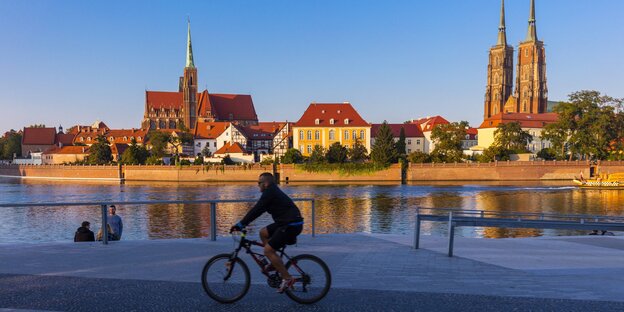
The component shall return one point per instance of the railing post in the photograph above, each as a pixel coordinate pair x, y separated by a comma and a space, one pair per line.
104, 225
417, 230
451, 234
313, 219
213, 221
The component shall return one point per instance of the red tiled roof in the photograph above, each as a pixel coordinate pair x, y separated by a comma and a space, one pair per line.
411, 130
228, 148
325, 112
85, 134
210, 130
65, 138
428, 123
239, 106
472, 133
119, 135
68, 150
525, 120
39, 136
118, 148
262, 131
164, 99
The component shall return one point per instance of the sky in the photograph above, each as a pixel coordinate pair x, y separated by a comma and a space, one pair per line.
74, 62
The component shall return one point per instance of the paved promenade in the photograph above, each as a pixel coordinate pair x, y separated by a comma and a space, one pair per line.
370, 273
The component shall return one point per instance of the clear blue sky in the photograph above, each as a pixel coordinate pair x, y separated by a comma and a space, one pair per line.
68, 62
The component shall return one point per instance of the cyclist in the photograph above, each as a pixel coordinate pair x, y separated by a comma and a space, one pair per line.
288, 223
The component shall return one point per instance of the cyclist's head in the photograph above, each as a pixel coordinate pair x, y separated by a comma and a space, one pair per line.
265, 180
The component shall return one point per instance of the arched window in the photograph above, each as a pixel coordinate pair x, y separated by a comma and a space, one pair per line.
161, 124
317, 121
152, 125
331, 121
354, 134
332, 135
301, 135
309, 134
317, 135
361, 134
346, 134
346, 121
172, 124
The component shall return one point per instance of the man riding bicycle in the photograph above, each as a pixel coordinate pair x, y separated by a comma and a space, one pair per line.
288, 223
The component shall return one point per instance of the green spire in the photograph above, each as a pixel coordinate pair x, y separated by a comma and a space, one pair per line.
532, 32
189, 48
502, 33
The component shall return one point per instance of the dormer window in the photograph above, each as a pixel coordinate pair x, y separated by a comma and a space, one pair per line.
331, 121
323, 111
317, 121
111, 139
346, 121
139, 138
338, 111
88, 138
125, 139
81, 139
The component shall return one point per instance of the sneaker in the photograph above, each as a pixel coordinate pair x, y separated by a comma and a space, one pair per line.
289, 283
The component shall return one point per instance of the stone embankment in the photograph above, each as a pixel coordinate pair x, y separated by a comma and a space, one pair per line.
496, 171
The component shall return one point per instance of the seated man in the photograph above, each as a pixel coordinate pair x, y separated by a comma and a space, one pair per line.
84, 234
288, 223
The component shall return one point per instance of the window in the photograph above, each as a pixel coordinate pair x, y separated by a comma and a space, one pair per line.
111, 139
309, 149
346, 121
331, 121
332, 134
317, 135
361, 134
125, 139
409, 142
81, 139
301, 148
139, 138
346, 134
317, 121
300, 134
526, 52
354, 134
417, 142
215, 144
409, 150
88, 139
309, 134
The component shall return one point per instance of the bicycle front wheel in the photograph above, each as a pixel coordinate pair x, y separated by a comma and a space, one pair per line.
225, 280
313, 279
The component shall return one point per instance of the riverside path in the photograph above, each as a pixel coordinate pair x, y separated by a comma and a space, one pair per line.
370, 273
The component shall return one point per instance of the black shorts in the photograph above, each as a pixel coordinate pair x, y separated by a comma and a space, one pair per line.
281, 235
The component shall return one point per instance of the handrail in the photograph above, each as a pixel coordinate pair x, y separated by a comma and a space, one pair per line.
213, 209
483, 213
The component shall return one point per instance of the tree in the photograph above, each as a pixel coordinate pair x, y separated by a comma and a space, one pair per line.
227, 160
547, 154
199, 160
400, 144
510, 136
11, 145
100, 152
206, 151
135, 154
180, 138
159, 141
447, 139
318, 155
418, 157
292, 156
336, 153
358, 152
384, 150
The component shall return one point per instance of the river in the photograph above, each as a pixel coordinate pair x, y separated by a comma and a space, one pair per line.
340, 208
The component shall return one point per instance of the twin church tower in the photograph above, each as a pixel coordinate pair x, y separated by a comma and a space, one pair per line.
530, 94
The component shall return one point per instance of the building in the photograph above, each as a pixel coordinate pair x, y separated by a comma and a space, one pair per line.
42, 139
263, 141
414, 138
65, 155
427, 124
472, 139
325, 124
186, 107
236, 152
530, 95
211, 136
532, 123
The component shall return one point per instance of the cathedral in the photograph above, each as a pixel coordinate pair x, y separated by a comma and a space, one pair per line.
165, 110
530, 94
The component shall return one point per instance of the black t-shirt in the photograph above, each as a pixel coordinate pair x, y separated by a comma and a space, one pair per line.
277, 204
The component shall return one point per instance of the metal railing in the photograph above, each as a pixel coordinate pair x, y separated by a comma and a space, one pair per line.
503, 219
213, 209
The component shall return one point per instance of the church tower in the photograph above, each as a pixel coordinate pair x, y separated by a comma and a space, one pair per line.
531, 91
188, 85
500, 71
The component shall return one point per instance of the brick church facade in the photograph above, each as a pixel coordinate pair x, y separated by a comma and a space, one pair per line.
187, 107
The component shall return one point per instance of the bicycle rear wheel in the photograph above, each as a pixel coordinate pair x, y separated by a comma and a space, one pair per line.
313, 279
225, 280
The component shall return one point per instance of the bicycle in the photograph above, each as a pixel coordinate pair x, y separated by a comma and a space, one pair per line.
226, 278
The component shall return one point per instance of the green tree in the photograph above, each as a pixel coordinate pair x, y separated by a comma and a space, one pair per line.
447, 139
199, 160
547, 154
336, 153
400, 144
135, 154
227, 160
179, 139
159, 141
12, 145
206, 151
318, 155
418, 157
384, 150
100, 152
292, 156
510, 136
358, 152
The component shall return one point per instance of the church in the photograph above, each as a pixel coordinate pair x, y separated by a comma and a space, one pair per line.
166, 110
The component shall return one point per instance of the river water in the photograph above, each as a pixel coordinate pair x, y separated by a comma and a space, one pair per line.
340, 208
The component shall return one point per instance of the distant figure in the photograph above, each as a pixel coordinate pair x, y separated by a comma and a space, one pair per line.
84, 234
115, 221
111, 236
582, 179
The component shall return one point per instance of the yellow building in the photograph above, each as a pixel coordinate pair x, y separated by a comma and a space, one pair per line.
532, 123
325, 124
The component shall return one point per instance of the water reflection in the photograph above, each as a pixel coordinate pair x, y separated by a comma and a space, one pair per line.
340, 208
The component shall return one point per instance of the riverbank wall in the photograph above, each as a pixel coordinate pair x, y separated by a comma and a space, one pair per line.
495, 171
